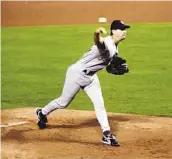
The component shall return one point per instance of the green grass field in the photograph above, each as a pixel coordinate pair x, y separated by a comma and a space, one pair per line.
34, 61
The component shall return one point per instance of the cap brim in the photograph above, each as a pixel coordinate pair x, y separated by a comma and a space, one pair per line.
127, 26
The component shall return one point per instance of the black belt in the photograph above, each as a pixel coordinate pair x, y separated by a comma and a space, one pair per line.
90, 73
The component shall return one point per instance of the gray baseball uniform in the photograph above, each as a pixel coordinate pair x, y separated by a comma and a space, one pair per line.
82, 74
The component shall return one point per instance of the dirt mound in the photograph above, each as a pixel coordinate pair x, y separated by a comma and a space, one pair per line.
76, 134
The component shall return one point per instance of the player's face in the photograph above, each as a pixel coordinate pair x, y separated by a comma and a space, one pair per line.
119, 34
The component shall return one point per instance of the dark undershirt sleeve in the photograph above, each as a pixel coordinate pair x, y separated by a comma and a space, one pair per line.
101, 46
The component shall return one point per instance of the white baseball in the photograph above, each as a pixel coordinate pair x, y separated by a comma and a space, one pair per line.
102, 20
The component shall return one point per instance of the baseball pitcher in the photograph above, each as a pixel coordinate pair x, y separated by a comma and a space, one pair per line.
82, 75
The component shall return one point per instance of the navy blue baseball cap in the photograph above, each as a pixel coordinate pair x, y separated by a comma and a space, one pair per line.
118, 24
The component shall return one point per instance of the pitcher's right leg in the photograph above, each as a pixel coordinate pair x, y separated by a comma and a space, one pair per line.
70, 89
68, 94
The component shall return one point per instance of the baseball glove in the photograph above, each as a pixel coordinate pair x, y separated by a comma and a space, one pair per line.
117, 66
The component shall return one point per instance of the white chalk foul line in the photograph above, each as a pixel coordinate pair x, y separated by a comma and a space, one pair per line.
14, 124
4, 126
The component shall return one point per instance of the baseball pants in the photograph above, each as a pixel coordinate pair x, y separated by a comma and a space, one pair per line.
74, 81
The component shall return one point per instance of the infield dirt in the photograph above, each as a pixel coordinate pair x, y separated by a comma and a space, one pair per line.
76, 134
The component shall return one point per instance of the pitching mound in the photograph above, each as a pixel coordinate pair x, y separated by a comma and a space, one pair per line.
76, 134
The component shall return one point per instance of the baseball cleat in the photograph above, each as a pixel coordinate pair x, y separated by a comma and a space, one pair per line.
109, 139
42, 119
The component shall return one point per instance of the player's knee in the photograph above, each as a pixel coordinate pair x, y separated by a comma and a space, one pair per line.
62, 103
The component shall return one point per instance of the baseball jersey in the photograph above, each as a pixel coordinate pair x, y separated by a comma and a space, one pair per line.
93, 61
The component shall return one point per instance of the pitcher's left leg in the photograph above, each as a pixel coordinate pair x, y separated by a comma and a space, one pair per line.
94, 92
